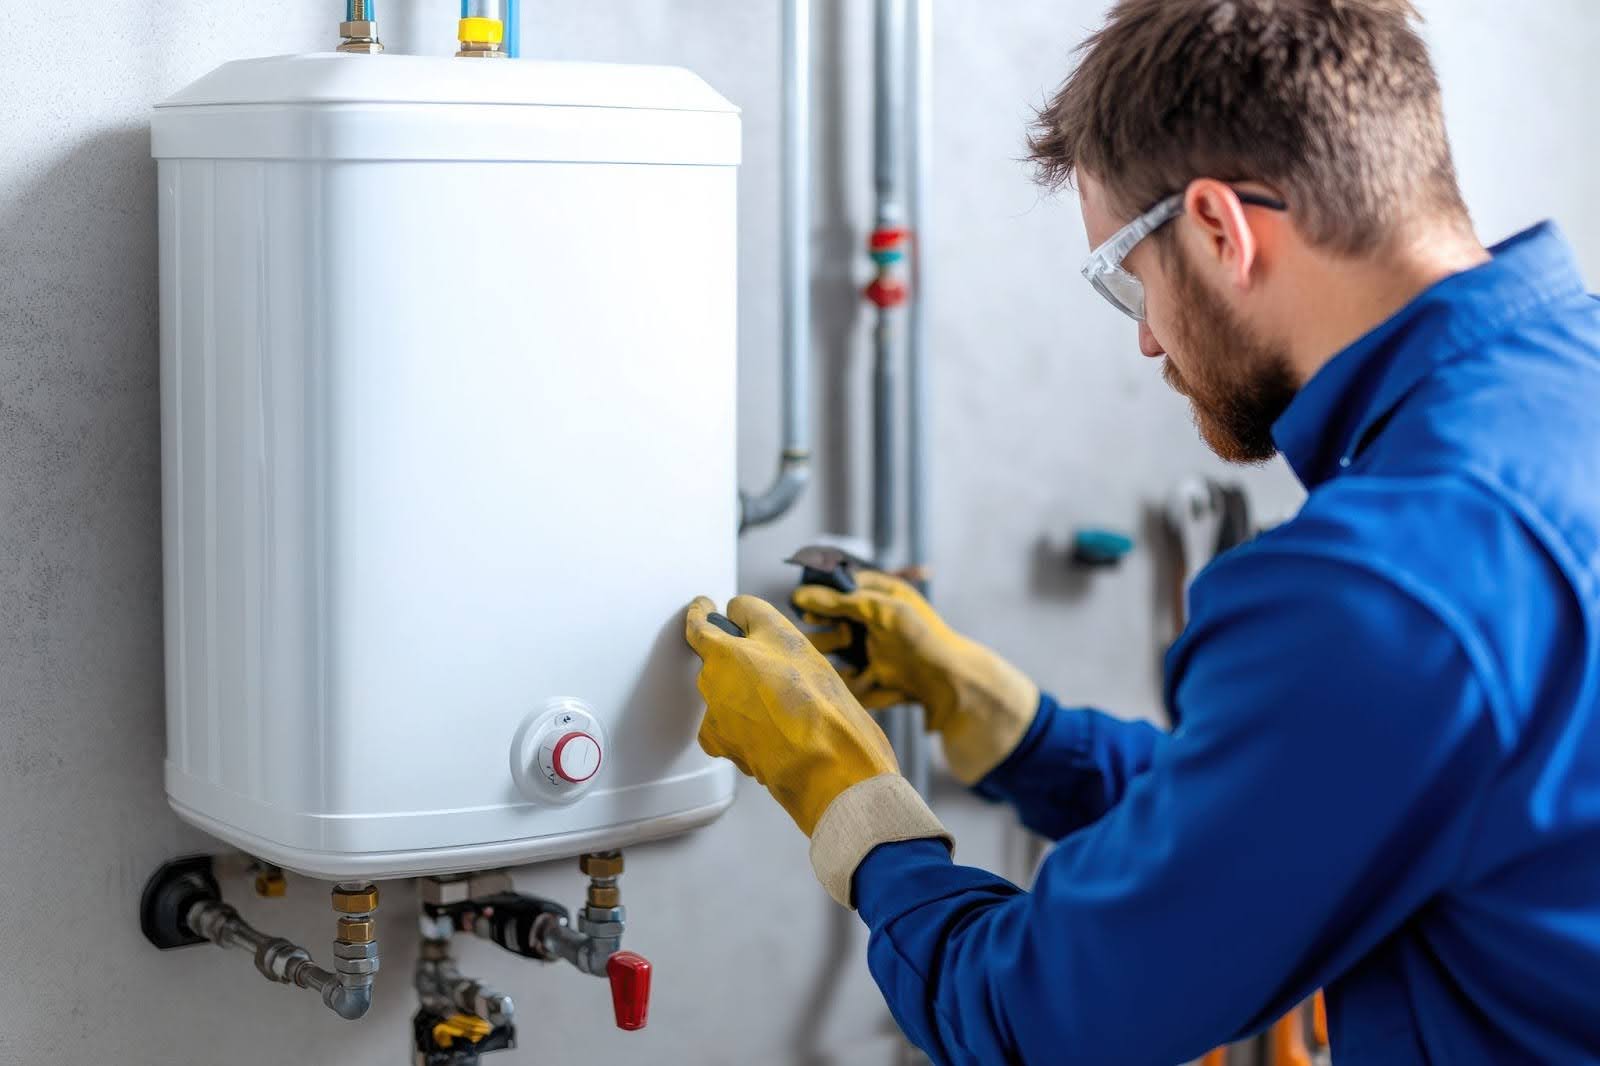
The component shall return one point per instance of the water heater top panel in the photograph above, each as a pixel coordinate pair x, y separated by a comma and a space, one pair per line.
331, 106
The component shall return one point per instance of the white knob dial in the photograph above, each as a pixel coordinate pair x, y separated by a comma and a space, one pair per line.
574, 756
558, 753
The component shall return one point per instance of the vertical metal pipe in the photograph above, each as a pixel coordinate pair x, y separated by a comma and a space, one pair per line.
889, 106
889, 84
794, 460
795, 269
889, 110
918, 199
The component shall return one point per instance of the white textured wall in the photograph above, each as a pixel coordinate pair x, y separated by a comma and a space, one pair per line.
1045, 419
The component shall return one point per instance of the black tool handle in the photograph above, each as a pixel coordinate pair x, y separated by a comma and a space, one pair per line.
854, 654
726, 624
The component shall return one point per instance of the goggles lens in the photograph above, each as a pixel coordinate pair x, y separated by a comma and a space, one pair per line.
1122, 290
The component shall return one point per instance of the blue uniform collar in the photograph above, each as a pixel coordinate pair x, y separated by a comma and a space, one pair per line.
1328, 420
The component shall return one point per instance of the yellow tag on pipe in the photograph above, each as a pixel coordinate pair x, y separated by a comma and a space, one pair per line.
481, 31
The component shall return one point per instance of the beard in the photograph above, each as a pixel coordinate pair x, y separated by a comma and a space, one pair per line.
1238, 384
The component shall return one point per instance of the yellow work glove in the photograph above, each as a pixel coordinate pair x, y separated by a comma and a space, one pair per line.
781, 713
979, 704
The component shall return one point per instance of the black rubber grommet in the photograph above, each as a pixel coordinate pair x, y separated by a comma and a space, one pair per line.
171, 891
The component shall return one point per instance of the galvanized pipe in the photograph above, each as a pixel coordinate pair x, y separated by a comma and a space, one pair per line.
794, 459
919, 200
443, 989
889, 109
889, 82
277, 959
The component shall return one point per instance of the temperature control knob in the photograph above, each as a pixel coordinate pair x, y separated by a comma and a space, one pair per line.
558, 753
573, 757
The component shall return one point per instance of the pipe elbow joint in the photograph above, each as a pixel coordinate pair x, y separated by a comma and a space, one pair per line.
348, 1001
794, 473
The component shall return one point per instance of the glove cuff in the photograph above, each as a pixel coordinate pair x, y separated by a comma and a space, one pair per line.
879, 810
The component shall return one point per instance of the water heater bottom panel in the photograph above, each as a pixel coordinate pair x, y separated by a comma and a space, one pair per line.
341, 847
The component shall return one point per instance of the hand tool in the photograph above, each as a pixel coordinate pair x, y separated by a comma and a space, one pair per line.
726, 624
835, 568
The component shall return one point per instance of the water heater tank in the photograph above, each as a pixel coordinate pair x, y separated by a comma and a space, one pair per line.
447, 404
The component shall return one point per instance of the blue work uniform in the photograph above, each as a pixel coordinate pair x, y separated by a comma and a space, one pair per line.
1384, 777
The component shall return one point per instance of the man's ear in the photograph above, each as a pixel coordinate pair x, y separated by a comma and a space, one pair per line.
1229, 242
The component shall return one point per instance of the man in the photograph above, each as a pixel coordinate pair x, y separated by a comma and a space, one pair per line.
1384, 771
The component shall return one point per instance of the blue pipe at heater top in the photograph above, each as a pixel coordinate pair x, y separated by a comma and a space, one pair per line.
356, 10
508, 12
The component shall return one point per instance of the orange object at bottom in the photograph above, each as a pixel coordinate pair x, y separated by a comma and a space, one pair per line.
1286, 1041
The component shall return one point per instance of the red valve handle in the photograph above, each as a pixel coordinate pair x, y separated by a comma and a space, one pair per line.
630, 988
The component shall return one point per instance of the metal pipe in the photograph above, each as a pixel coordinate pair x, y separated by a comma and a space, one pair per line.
794, 460
889, 82
443, 989
889, 87
919, 202
561, 941
889, 108
277, 959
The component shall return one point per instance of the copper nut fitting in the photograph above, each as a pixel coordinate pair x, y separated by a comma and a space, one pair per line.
605, 896
363, 900
601, 864
358, 930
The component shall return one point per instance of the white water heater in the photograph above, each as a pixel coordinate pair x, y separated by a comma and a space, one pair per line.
447, 403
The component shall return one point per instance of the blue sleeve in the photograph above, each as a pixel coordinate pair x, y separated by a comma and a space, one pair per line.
1071, 767
1333, 745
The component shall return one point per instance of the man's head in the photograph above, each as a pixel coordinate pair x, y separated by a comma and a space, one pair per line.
1328, 107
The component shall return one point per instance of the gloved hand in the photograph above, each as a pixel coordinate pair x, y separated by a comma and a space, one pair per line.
780, 712
783, 715
977, 702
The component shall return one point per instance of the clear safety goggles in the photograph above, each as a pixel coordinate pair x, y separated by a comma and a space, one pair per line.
1104, 269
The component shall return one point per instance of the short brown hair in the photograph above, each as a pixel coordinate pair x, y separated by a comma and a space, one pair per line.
1334, 103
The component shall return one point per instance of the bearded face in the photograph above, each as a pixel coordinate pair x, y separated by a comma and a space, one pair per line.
1237, 383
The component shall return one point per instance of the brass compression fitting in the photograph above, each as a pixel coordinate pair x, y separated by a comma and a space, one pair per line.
359, 29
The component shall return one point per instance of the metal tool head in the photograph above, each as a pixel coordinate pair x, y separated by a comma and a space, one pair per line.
832, 567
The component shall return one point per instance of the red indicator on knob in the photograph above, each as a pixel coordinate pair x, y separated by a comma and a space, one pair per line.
576, 757
630, 988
